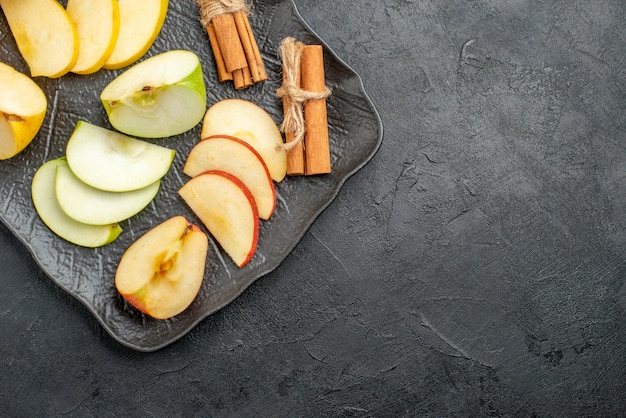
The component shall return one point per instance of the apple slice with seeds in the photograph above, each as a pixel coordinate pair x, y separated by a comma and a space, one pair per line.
230, 154
23, 107
161, 273
227, 208
162, 96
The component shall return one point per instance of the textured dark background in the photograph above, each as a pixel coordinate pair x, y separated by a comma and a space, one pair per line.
475, 267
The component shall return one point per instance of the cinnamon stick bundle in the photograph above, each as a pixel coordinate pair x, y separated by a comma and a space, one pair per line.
236, 52
304, 96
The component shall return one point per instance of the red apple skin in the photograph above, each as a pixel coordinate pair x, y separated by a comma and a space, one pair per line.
260, 158
137, 300
255, 214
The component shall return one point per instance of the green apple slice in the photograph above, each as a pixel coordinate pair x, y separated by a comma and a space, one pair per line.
160, 97
47, 206
98, 207
114, 162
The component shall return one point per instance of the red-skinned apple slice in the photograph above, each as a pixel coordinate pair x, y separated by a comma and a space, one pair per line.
252, 124
227, 208
237, 157
161, 273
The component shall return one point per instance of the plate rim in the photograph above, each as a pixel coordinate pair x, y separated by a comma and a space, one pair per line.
263, 272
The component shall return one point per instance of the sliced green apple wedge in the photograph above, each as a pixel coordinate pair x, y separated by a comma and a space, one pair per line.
237, 157
114, 162
252, 124
161, 273
98, 207
160, 97
47, 206
226, 207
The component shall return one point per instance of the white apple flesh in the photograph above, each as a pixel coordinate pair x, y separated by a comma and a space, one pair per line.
111, 161
93, 206
226, 207
160, 97
47, 206
230, 154
161, 273
252, 124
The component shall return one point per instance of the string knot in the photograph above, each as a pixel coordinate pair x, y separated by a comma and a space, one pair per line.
291, 92
211, 8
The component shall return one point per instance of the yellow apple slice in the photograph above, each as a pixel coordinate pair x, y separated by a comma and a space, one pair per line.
45, 35
140, 23
97, 24
252, 124
161, 273
230, 154
23, 107
47, 206
226, 207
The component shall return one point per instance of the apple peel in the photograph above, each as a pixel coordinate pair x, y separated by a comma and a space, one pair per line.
237, 157
227, 208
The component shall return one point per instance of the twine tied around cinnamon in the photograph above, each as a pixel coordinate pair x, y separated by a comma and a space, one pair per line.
290, 52
211, 8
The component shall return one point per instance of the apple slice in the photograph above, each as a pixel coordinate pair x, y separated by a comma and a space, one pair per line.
98, 207
97, 25
23, 107
161, 273
47, 206
159, 97
45, 35
114, 162
230, 154
226, 207
140, 23
252, 124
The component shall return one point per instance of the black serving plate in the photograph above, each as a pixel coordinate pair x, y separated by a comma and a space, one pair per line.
88, 274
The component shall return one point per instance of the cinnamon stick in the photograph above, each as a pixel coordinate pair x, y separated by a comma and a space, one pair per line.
222, 73
237, 54
244, 36
242, 78
316, 141
229, 42
256, 53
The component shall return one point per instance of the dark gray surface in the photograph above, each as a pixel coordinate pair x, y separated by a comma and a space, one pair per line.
475, 267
